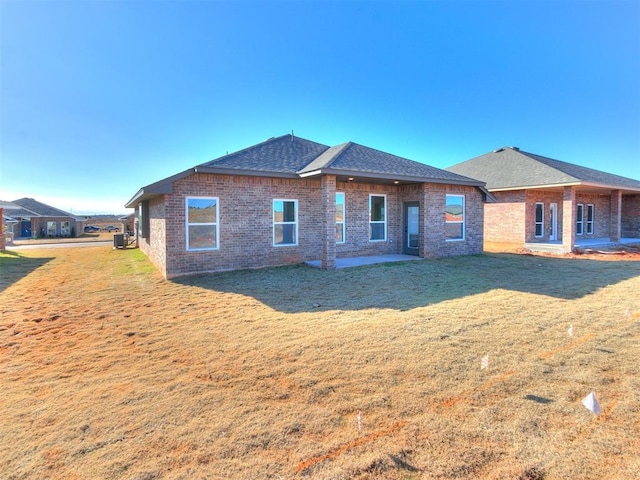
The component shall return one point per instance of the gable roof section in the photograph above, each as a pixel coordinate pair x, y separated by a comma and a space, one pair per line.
294, 157
15, 210
41, 209
284, 155
509, 169
354, 159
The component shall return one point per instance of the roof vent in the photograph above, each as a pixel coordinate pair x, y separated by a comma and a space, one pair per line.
498, 150
515, 148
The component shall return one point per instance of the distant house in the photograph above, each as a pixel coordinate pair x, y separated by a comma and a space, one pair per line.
28, 218
545, 204
290, 200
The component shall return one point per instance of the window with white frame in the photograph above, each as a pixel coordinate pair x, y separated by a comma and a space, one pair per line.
579, 219
454, 217
590, 218
202, 223
285, 222
539, 220
377, 218
51, 229
340, 210
65, 229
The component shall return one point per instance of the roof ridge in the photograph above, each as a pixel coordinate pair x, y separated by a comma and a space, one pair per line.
340, 149
245, 149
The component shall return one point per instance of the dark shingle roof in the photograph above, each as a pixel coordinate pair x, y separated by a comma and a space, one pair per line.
40, 208
294, 157
285, 154
14, 210
352, 157
511, 168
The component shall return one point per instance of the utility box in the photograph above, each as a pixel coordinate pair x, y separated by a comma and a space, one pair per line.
118, 241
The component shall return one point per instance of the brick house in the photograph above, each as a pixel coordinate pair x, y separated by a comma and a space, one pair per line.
289, 200
545, 204
29, 218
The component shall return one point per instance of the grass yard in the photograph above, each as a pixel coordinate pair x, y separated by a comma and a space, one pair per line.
109, 371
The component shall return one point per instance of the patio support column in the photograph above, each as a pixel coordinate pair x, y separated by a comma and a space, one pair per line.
616, 216
328, 223
568, 219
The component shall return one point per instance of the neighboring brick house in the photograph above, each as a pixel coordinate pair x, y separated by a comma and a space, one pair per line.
30, 218
290, 200
541, 203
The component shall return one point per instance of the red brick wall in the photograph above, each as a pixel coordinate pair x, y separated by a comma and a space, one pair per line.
153, 241
246, 222
505, 220
547, 198
602, 210
357, 220
436, 244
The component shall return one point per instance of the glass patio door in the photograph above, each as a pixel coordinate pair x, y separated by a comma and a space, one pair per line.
411, 229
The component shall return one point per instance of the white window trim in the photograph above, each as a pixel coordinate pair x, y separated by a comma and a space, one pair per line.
464, 216
384, 222
344, 216
580, 219
273, 217
590, 223
187, 224
51, 232
535, 220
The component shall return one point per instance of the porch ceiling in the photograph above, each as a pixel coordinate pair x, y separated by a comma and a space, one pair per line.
580, 188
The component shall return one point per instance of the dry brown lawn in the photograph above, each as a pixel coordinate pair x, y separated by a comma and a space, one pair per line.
109, 371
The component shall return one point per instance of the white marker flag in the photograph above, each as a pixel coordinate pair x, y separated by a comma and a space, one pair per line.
570, 331
484, 363
359, 420
591, 403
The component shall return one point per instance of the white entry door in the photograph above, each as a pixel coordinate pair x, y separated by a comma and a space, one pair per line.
553, 220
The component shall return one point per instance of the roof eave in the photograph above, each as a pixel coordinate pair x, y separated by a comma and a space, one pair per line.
611, 187
528, 187
389, 176
161, 187
567, 184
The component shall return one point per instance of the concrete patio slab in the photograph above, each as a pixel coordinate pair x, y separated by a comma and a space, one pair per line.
368, 260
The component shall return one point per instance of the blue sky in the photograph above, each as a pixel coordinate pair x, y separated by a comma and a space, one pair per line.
99, 98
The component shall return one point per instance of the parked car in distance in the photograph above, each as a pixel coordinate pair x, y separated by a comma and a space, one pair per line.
112, 228
91, 229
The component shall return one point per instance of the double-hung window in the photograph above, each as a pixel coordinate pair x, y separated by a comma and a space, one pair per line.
590, 218
285, 222
539, 220
454, 217
377, 218
579, 219
202, 223
340, 237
